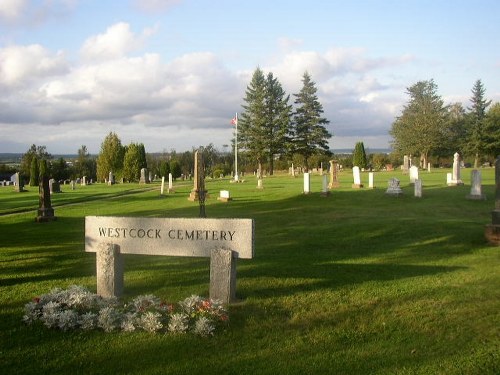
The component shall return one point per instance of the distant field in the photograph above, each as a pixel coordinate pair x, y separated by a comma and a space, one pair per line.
354, 283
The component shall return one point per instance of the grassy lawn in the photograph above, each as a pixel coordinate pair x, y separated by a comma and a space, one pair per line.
354, 283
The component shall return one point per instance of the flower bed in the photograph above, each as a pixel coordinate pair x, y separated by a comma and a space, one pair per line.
78, 308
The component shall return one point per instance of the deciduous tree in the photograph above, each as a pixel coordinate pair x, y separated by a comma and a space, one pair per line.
110, 158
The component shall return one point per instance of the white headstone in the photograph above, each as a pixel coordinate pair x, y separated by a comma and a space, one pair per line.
413, 174
418, 188
170, 183
307, 183
224, 196
476, 188
162, 185
356, 177
455, 178
370, 180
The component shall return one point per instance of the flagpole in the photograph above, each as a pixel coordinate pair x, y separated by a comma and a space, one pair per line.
236, 150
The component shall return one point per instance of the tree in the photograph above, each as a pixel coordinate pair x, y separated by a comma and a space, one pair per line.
60, 170
278, 115
477, 137
359, 155
164, 168
39, 151
492, 130
252, 122
309, 134
132, 163
85, 165
110, 158
175, 169
34, 172
418, 130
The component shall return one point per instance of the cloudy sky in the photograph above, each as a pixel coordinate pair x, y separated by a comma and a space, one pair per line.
172, 73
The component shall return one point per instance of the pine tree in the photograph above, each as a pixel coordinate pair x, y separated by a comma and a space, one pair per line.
477, 137
309, 127
359, 156
34, 172
252, 123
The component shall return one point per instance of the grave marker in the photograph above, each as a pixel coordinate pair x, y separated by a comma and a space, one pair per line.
357, 178
307, 183
455, 177
418, 188
413, 174
476, 188
394, 189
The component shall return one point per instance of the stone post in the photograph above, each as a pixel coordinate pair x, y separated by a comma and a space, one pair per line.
110, 267
492, 231
418, 188
307, 183
223, 275
334, 169
370, 181
476, 188
162, 185
170, 183
193, 196
45, 210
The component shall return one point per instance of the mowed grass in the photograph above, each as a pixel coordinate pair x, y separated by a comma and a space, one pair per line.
354, 283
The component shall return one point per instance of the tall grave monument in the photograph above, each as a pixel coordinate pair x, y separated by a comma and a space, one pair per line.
492, 231
45, 210
455, 177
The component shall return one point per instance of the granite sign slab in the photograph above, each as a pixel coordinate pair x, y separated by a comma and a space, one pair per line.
193, 237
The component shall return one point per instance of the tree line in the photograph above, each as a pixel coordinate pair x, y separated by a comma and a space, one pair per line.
271, 129
427, 127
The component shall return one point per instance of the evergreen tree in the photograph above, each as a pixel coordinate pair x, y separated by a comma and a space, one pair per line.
477, 137
252, 123
279, 113
164, 168
418, 129
34, 172
309, 127
359, 156
175, 169
110, 158
142, 156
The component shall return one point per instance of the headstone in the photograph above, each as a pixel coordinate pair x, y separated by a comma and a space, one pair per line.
111, 178
162, 185
334, 175
170, 183
406, 164
324, 187
150, 176
223, 240
455, 177
448, 178
413, 174
259, 184
492, 230
18, 183
356, 177
193, 196
293, 170
370, 180
54, 186
72, 184
45, 210
224, 196
476, 188
394, 188
144, 176
418, 188
307, 183
429, 167
84, 180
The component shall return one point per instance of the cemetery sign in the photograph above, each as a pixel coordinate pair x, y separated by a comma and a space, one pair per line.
222, 240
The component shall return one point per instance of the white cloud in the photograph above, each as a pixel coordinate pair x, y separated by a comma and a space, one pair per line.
11, 10
20, 65
117, 41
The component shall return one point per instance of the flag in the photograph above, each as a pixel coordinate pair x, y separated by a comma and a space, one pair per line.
234, 121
